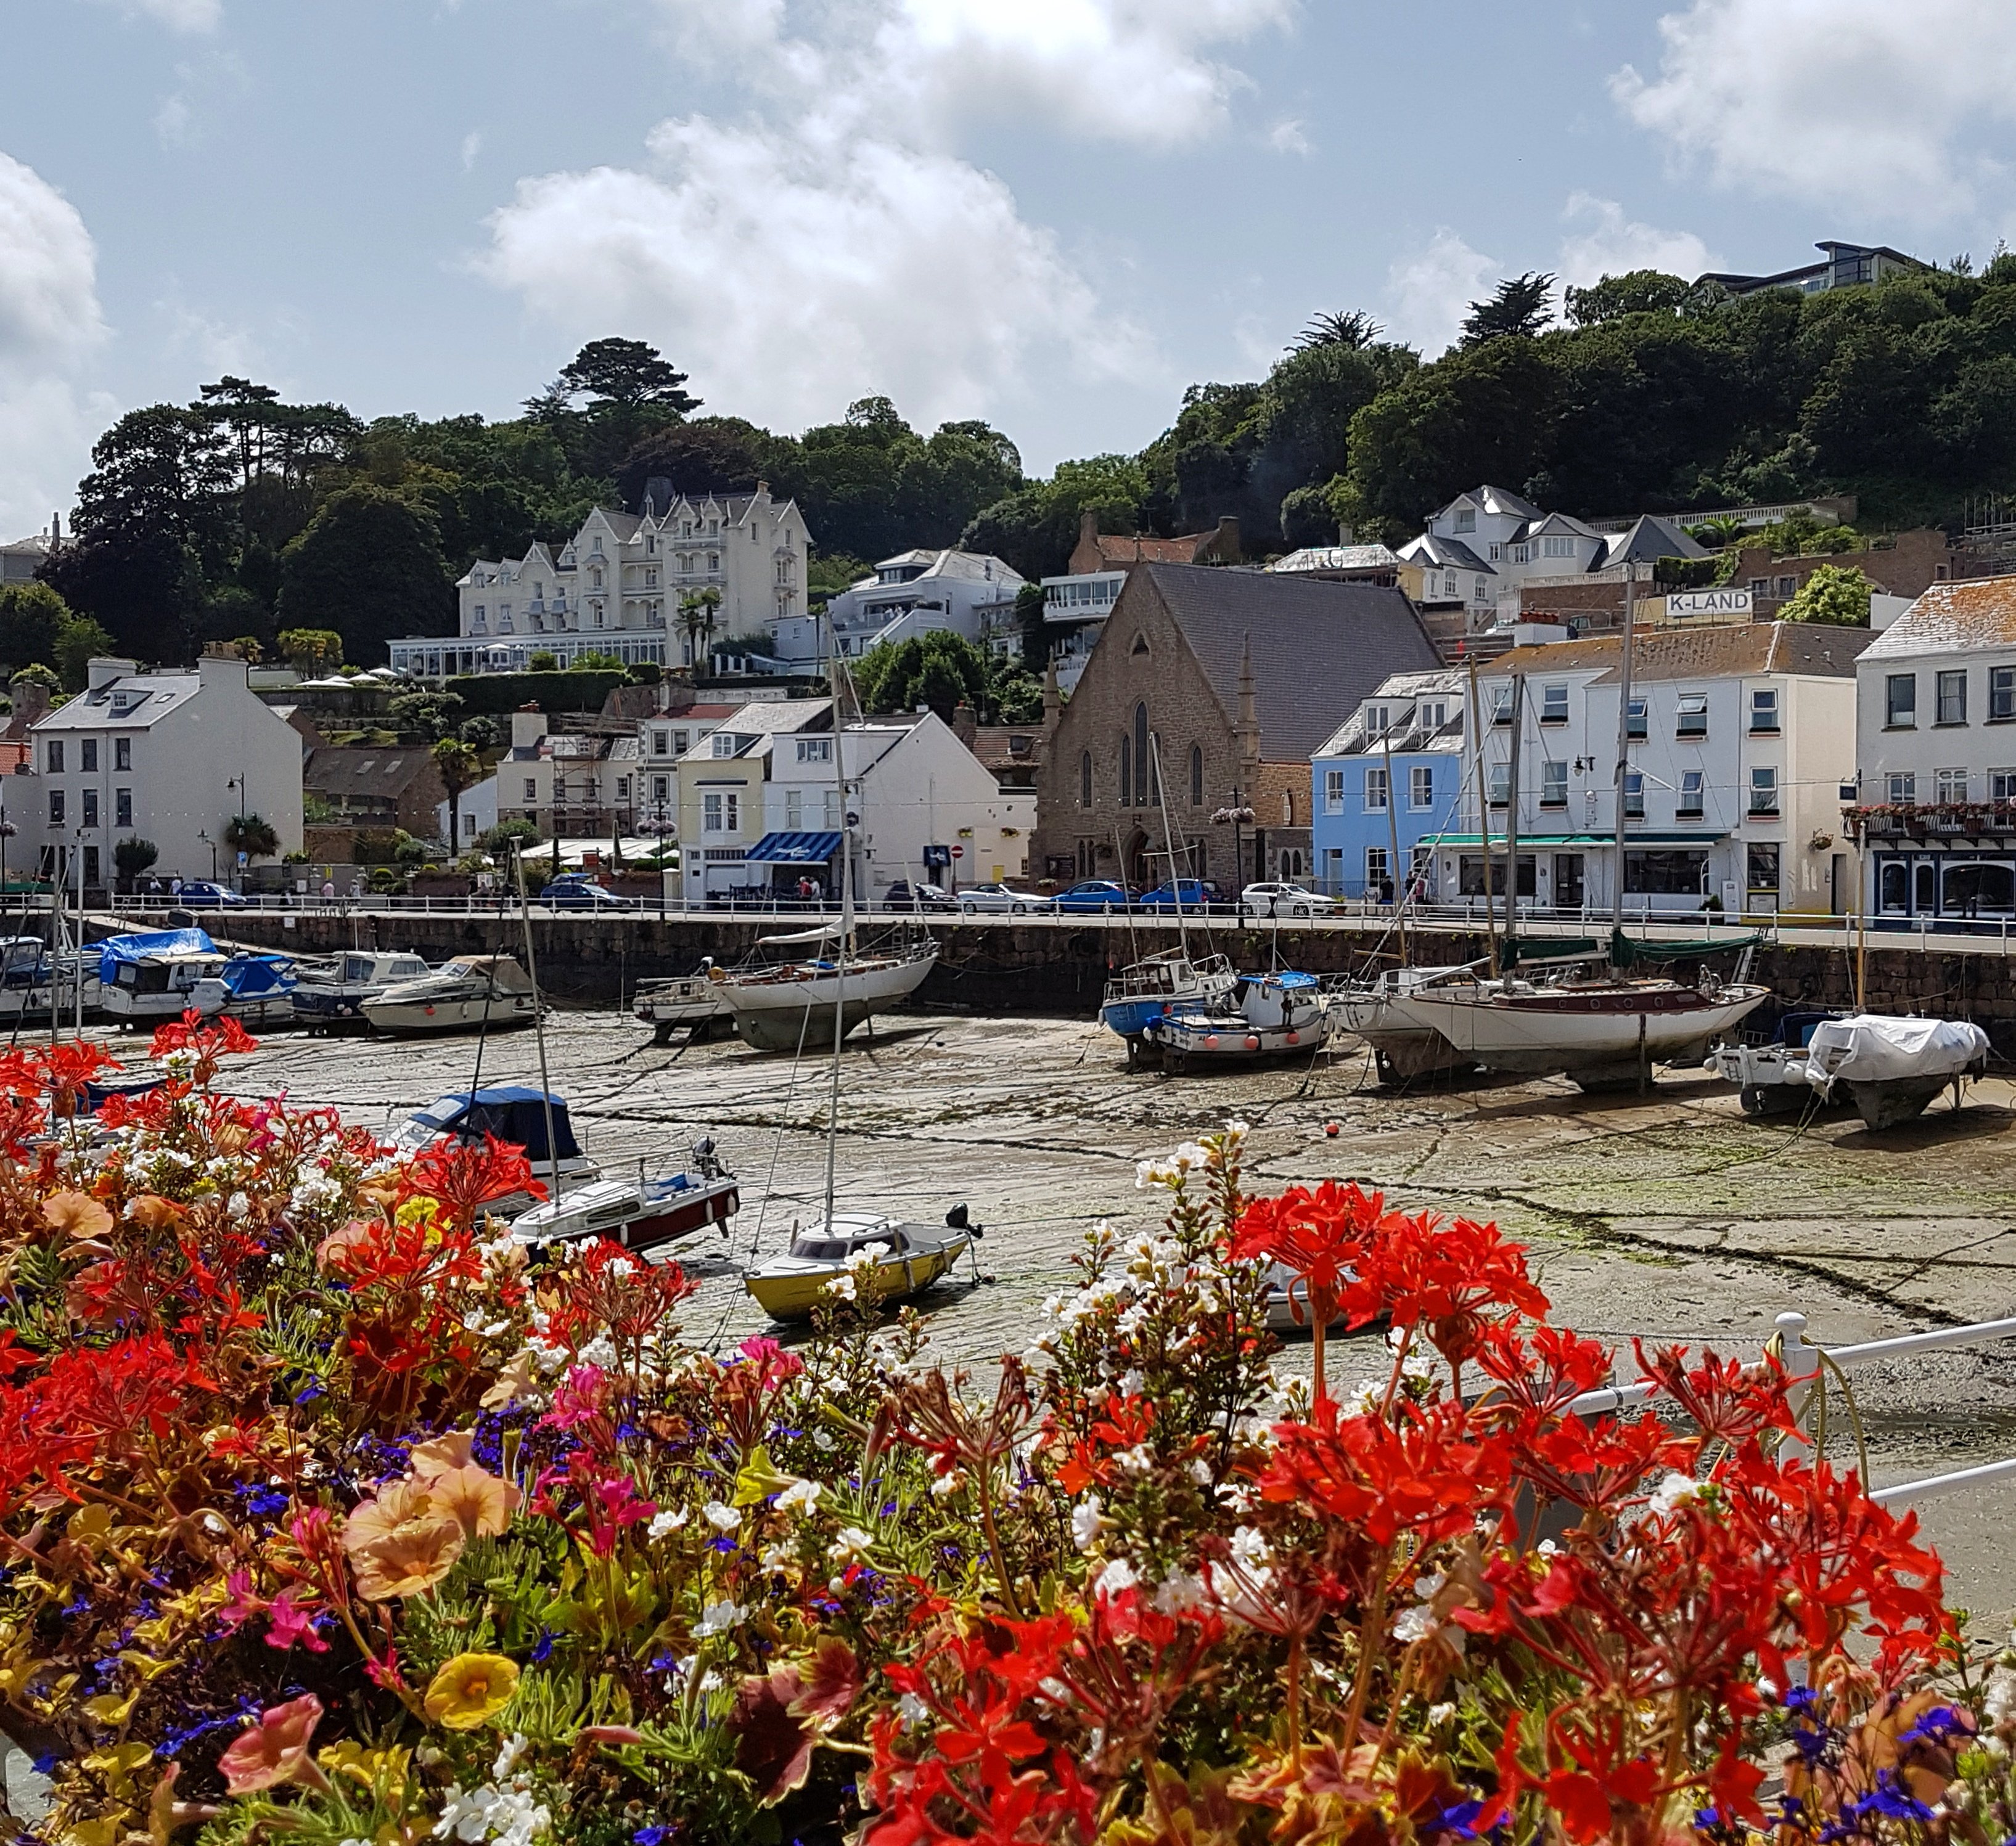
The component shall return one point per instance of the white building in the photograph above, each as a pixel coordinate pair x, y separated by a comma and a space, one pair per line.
1740, 738
928, 809
1487, 549
570, 785
620, 584
1074, 612
965, 593
1935, 756
719, 786
477, 809
170, 755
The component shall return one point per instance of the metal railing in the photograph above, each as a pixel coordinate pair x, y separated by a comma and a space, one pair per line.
1792, 1327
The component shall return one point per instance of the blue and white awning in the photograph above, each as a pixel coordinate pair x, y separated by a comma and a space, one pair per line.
794, 849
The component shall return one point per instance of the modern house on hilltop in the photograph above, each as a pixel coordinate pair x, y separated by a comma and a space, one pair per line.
1841, 266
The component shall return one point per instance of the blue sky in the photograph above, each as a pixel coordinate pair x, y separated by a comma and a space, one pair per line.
1053, 213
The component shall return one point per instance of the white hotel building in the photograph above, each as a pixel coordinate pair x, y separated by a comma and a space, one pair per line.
616, 587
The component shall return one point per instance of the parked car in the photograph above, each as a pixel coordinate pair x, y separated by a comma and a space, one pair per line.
582, 893
999, 898
1092, 894
1183, 893
198, 894
1280, 899
903, 895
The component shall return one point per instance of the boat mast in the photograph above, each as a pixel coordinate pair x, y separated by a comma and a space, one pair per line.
538, 1017
1512, 820
846, 919
1623, 748
1483, 813
1169, 840
1393, 835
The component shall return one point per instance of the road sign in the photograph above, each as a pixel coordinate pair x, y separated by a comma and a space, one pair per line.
244, 858
958, 852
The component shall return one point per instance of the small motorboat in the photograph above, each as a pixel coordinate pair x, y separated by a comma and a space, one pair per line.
513, 1113
159, 975
472, 991
639, 1214
1143, 992
887, 1260
1892, 1068
26, 975
686, 1003
332, 992
1275, 1015
1771, 1078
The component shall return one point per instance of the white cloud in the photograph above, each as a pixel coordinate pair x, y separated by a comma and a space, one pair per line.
1287, 138
50, 325
1862, 105
1613, 245
178, 15
1430, 291
172, 121
790, 278
472, 145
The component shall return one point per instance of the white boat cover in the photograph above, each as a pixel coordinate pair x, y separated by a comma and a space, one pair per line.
1871, 1048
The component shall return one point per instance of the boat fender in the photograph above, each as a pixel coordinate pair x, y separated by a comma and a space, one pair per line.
1294, 1038
1331, 1129
1210, 1041
1252, 1043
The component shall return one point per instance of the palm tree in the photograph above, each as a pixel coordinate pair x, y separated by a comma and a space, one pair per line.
460, 767
697, 618
249, 834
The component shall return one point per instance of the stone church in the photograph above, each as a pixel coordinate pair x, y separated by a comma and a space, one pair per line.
1222, 681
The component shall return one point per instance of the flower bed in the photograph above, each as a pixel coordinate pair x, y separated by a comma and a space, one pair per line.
326, 1519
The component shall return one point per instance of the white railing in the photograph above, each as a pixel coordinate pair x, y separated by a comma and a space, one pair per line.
1792, 1326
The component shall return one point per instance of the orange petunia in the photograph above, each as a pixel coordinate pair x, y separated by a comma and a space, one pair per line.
476, 1499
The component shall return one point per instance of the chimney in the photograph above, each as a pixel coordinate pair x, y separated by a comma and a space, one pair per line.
528, 726
1343, 533
101, 670
31, 702
965, 727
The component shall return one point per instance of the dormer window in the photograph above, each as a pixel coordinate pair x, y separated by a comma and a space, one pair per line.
1557, 546
597, 546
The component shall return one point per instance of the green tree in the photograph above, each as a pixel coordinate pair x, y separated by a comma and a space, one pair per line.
1353, 329
543, 660
428, 716
1637, 291
712, 454
312, 652
699, 613
251, 835
625, 372
496, 842
1518, 307
131, 859
369, 566
31, 615
460, 767
79, 640
1832, 593
1030, 619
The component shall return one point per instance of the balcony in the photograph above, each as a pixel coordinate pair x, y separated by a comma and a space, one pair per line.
1931, 820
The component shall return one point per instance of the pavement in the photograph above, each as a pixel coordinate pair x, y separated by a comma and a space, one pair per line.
1669, 1217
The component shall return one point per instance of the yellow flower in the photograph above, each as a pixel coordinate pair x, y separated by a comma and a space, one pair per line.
78, 1214
441, 1453
415, 1560
471, 1689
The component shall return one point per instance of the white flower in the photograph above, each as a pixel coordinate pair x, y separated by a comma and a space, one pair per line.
600, 1351
1235, 1126
822, 1440
465, 1816
1440, 1715
718, 1618
514, 1746
950, 1482
1999, 1703
842, 1287
622, 1265
852, 1543
1179, 1592
1131, 1382
1088, 1521
1426, 1586
1116, 1577
1675, 1491
666, 1521
1201, 1472
1415, 1624
1250, 1548
860, 1260
238, 1205
911, 1709
723, 1519
1137, 1460
776, 1557
800, 1496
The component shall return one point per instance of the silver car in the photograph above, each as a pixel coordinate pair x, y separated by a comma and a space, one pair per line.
1281, 899
976, 898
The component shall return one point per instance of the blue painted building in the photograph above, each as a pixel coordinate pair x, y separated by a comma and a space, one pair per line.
1390, 777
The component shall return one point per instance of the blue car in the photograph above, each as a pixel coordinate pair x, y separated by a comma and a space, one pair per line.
196, 894
1093, 894
582, 894
1185, 894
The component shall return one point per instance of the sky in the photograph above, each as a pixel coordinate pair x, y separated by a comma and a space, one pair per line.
1055, 214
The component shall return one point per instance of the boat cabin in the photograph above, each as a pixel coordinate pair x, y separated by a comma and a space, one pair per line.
513, 1113
844, 1234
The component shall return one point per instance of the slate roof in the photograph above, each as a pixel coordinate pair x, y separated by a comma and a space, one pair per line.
346, 770
1447, 554
1814, 649
1490, 499
1951, 618
1318, 647
134, 699
1652, 537
1450, 686
1335, 557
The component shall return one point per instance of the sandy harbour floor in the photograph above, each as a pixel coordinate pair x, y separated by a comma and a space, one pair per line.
1669, 1216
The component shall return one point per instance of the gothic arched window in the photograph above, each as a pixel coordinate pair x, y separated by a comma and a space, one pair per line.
1085, 780
1196, 775
1142, 796
1126, 769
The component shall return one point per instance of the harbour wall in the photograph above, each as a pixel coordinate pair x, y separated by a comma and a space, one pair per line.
1009, 966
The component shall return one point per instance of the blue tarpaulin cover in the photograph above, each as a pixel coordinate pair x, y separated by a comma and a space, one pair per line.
115, 949
250, 977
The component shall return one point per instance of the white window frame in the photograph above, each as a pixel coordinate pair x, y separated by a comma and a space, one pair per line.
1420, 787
1376, 792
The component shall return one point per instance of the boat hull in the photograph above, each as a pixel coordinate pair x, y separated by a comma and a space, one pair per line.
788, 1291
1198, 1045
707, 1206
786, 1012
1892, 1103
400, 1018
1598, 1041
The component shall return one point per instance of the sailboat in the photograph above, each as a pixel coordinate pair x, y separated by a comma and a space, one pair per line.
775, 1008
880, 1259
1597, 1025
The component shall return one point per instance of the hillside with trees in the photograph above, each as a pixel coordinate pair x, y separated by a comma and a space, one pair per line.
240, 515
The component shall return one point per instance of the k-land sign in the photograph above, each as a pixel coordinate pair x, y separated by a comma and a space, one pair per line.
1707, 605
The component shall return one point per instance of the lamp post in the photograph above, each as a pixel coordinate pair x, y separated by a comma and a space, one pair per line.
212, 844
238, 782
1237, 815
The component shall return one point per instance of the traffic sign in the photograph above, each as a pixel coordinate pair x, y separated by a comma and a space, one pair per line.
958, 852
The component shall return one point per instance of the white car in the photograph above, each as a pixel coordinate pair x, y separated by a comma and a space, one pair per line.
1284, 900
997, 897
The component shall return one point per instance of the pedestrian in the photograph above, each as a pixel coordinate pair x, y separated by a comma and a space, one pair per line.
329, 894
1386, 890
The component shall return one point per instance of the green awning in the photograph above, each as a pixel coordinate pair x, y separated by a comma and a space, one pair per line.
1626, 950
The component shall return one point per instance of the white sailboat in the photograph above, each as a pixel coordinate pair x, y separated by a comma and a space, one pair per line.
780, 1007
487, 990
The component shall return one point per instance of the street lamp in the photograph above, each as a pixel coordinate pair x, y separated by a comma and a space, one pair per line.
1237, 816
212, 844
